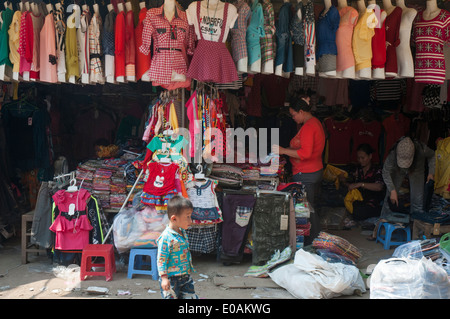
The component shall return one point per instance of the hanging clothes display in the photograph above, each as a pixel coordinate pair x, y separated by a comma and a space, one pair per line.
7, 16
26, 42
345, 56
327, 25
119, 45
47, 63
339, 140
310, 38
38, 23
60, 29
14, 40
255, 32
392, 23
212, 32
429, 65
267, 42
142, 60
108, 44
72, 69
130, 46
238, 33
298, 36
95, 51
362, 40
83, 44
173, 41
284, 51
379, 45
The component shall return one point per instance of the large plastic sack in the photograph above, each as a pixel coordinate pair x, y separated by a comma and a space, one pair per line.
138, 228
409, 278
351, 196
311, 277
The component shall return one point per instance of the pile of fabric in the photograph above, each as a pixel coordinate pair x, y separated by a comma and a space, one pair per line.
337, 245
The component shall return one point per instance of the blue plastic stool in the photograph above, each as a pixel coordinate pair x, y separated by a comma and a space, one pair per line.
136, 262
388, 240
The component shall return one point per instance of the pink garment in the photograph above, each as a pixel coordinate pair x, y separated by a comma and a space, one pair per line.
38, 23
345, 57
48, 51
63, 199
71, 234
194, 127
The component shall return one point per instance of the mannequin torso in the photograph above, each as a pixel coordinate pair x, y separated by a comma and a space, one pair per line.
405, 60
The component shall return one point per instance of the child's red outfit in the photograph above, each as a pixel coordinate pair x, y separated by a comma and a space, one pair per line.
163, 182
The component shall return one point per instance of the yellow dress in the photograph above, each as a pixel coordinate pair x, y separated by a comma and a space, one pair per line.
362, 40
14, 40
71, 52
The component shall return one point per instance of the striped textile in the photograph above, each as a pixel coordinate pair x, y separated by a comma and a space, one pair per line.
430, 37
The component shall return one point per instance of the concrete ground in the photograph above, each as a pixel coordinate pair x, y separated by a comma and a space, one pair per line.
39, 279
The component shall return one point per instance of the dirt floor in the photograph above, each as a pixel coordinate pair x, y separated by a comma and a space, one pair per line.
40, 279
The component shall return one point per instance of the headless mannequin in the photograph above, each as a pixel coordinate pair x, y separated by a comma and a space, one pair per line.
299, 70
110, 60
389, 7
255, 67
26, 74
169, 12
431, 11
49, 7
76, 11
378, 73
365, 73
128, 7
404, 56
145, 76
6, 70
84, 75
15, 75
348, 73
120, 79
61, 76
267, 67
331, 73
279, 68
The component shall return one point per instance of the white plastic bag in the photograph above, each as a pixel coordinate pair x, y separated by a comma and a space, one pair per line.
138, 228
311, 277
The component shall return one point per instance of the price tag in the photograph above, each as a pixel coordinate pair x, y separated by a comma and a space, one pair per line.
284, 222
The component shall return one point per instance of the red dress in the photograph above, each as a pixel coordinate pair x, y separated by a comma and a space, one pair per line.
379, 47
366, 132
340, 134
130, 47
142, 60
119, 59
392, 24
212, 62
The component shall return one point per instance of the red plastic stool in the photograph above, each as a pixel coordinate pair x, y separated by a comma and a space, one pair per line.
107, 252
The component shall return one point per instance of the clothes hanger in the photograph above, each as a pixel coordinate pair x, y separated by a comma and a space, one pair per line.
199, 175
73, 183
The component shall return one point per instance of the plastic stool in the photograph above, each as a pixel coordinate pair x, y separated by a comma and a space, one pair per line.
136, 262
107, 252
387, 238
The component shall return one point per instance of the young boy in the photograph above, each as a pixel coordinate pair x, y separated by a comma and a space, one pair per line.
174, 257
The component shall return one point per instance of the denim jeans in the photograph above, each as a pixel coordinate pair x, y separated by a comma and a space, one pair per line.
181, 287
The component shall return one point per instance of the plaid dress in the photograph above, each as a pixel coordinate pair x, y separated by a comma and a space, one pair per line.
267, 42
96, 72
238, 34
172, 41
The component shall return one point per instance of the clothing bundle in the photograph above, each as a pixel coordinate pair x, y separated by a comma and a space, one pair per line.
337, 245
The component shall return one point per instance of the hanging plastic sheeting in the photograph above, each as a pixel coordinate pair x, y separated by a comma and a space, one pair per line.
311, 277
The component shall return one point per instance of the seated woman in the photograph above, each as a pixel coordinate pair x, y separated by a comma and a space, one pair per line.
368, 179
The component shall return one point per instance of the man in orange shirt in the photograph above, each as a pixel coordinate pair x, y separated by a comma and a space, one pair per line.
305, 153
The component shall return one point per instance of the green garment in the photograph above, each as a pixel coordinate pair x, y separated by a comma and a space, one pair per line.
7, 15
